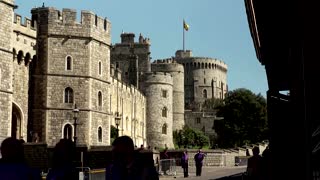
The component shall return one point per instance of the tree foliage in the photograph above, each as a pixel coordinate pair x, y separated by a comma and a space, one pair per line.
245, 119
190, 137
211, 104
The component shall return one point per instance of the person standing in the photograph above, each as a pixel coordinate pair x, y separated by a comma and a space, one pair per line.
199, 162
184, 163
254, 167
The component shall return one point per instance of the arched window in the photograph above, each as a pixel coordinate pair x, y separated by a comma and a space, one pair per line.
67, 131
99, 98
20, 57
205, 93
164, 112
68, 95
69, 63
100, 134
164, 129
100, 68
204, 81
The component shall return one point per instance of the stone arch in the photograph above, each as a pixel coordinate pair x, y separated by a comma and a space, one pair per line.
68, 95
99, 98
69, 63
206, 65
67, 131
17, 121
20, 57
100, 68
209, 65
195, 65
164, 112
199, 65
202, 65
205, 93
27, 59
99, 134
164, 128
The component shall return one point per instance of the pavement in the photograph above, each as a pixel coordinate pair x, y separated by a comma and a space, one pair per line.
208, 173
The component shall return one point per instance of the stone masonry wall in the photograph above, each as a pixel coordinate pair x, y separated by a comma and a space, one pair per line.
6, 69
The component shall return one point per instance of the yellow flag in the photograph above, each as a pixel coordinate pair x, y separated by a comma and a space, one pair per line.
185, 26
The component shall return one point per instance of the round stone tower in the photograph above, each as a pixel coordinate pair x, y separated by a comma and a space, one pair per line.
158, 90
177, 72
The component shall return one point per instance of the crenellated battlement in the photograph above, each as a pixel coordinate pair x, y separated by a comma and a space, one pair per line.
127, 88
23, 27
65, 23
17, 19
158, 77
204, 62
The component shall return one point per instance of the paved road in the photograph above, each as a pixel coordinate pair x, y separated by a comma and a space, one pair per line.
208, 173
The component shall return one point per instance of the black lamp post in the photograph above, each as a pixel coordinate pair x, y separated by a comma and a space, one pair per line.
117, 121
75, 118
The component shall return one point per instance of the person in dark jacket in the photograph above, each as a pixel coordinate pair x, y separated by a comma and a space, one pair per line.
63, 167
254, 167
185, 163
199, 162
12, 163
128, 164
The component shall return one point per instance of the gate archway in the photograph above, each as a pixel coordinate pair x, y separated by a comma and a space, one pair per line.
16, 122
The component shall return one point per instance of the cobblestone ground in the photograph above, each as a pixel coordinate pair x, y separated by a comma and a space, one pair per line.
207, 172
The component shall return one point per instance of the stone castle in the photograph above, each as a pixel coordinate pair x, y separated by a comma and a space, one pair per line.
51, 62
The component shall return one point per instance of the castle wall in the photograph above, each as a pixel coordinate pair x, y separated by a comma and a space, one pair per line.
177, 72
155, 84
131, 107
202, 121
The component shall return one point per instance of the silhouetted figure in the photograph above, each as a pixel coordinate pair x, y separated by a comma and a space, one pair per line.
266, 161
185, 163
254, 167
35, 137
12, 163
63, 167
128, 164
247, 152
199, 162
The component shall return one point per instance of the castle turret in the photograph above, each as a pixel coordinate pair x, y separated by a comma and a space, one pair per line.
177, 72
127, 38
159, 94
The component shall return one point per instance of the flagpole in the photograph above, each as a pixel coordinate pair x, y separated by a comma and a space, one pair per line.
183, 35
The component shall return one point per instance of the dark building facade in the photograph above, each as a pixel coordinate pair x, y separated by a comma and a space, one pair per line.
285, 37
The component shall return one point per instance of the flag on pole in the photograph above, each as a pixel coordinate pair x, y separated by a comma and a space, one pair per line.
185, 26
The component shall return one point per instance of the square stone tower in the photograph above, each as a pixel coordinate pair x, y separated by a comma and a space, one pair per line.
73, 68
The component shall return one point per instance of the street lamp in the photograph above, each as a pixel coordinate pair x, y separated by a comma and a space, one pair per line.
117, 121
75, 118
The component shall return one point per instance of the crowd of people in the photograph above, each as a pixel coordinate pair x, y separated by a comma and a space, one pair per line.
127, 163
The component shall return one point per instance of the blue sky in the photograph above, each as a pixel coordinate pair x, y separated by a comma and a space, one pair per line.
218, 29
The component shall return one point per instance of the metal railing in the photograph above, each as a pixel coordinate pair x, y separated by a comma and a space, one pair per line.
167, 167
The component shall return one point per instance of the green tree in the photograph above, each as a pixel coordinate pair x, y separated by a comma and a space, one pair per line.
245, 119
190, 138
211, 104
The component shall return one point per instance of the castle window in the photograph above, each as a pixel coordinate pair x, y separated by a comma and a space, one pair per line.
68, 95
100, 134
100, 68
164, 93
127, 123
164, 129
204, 81
99, 98
68, 63
164, 112
205, 95
198, 120
20, 57
117, 64
96, 20
105, 24
67, 131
